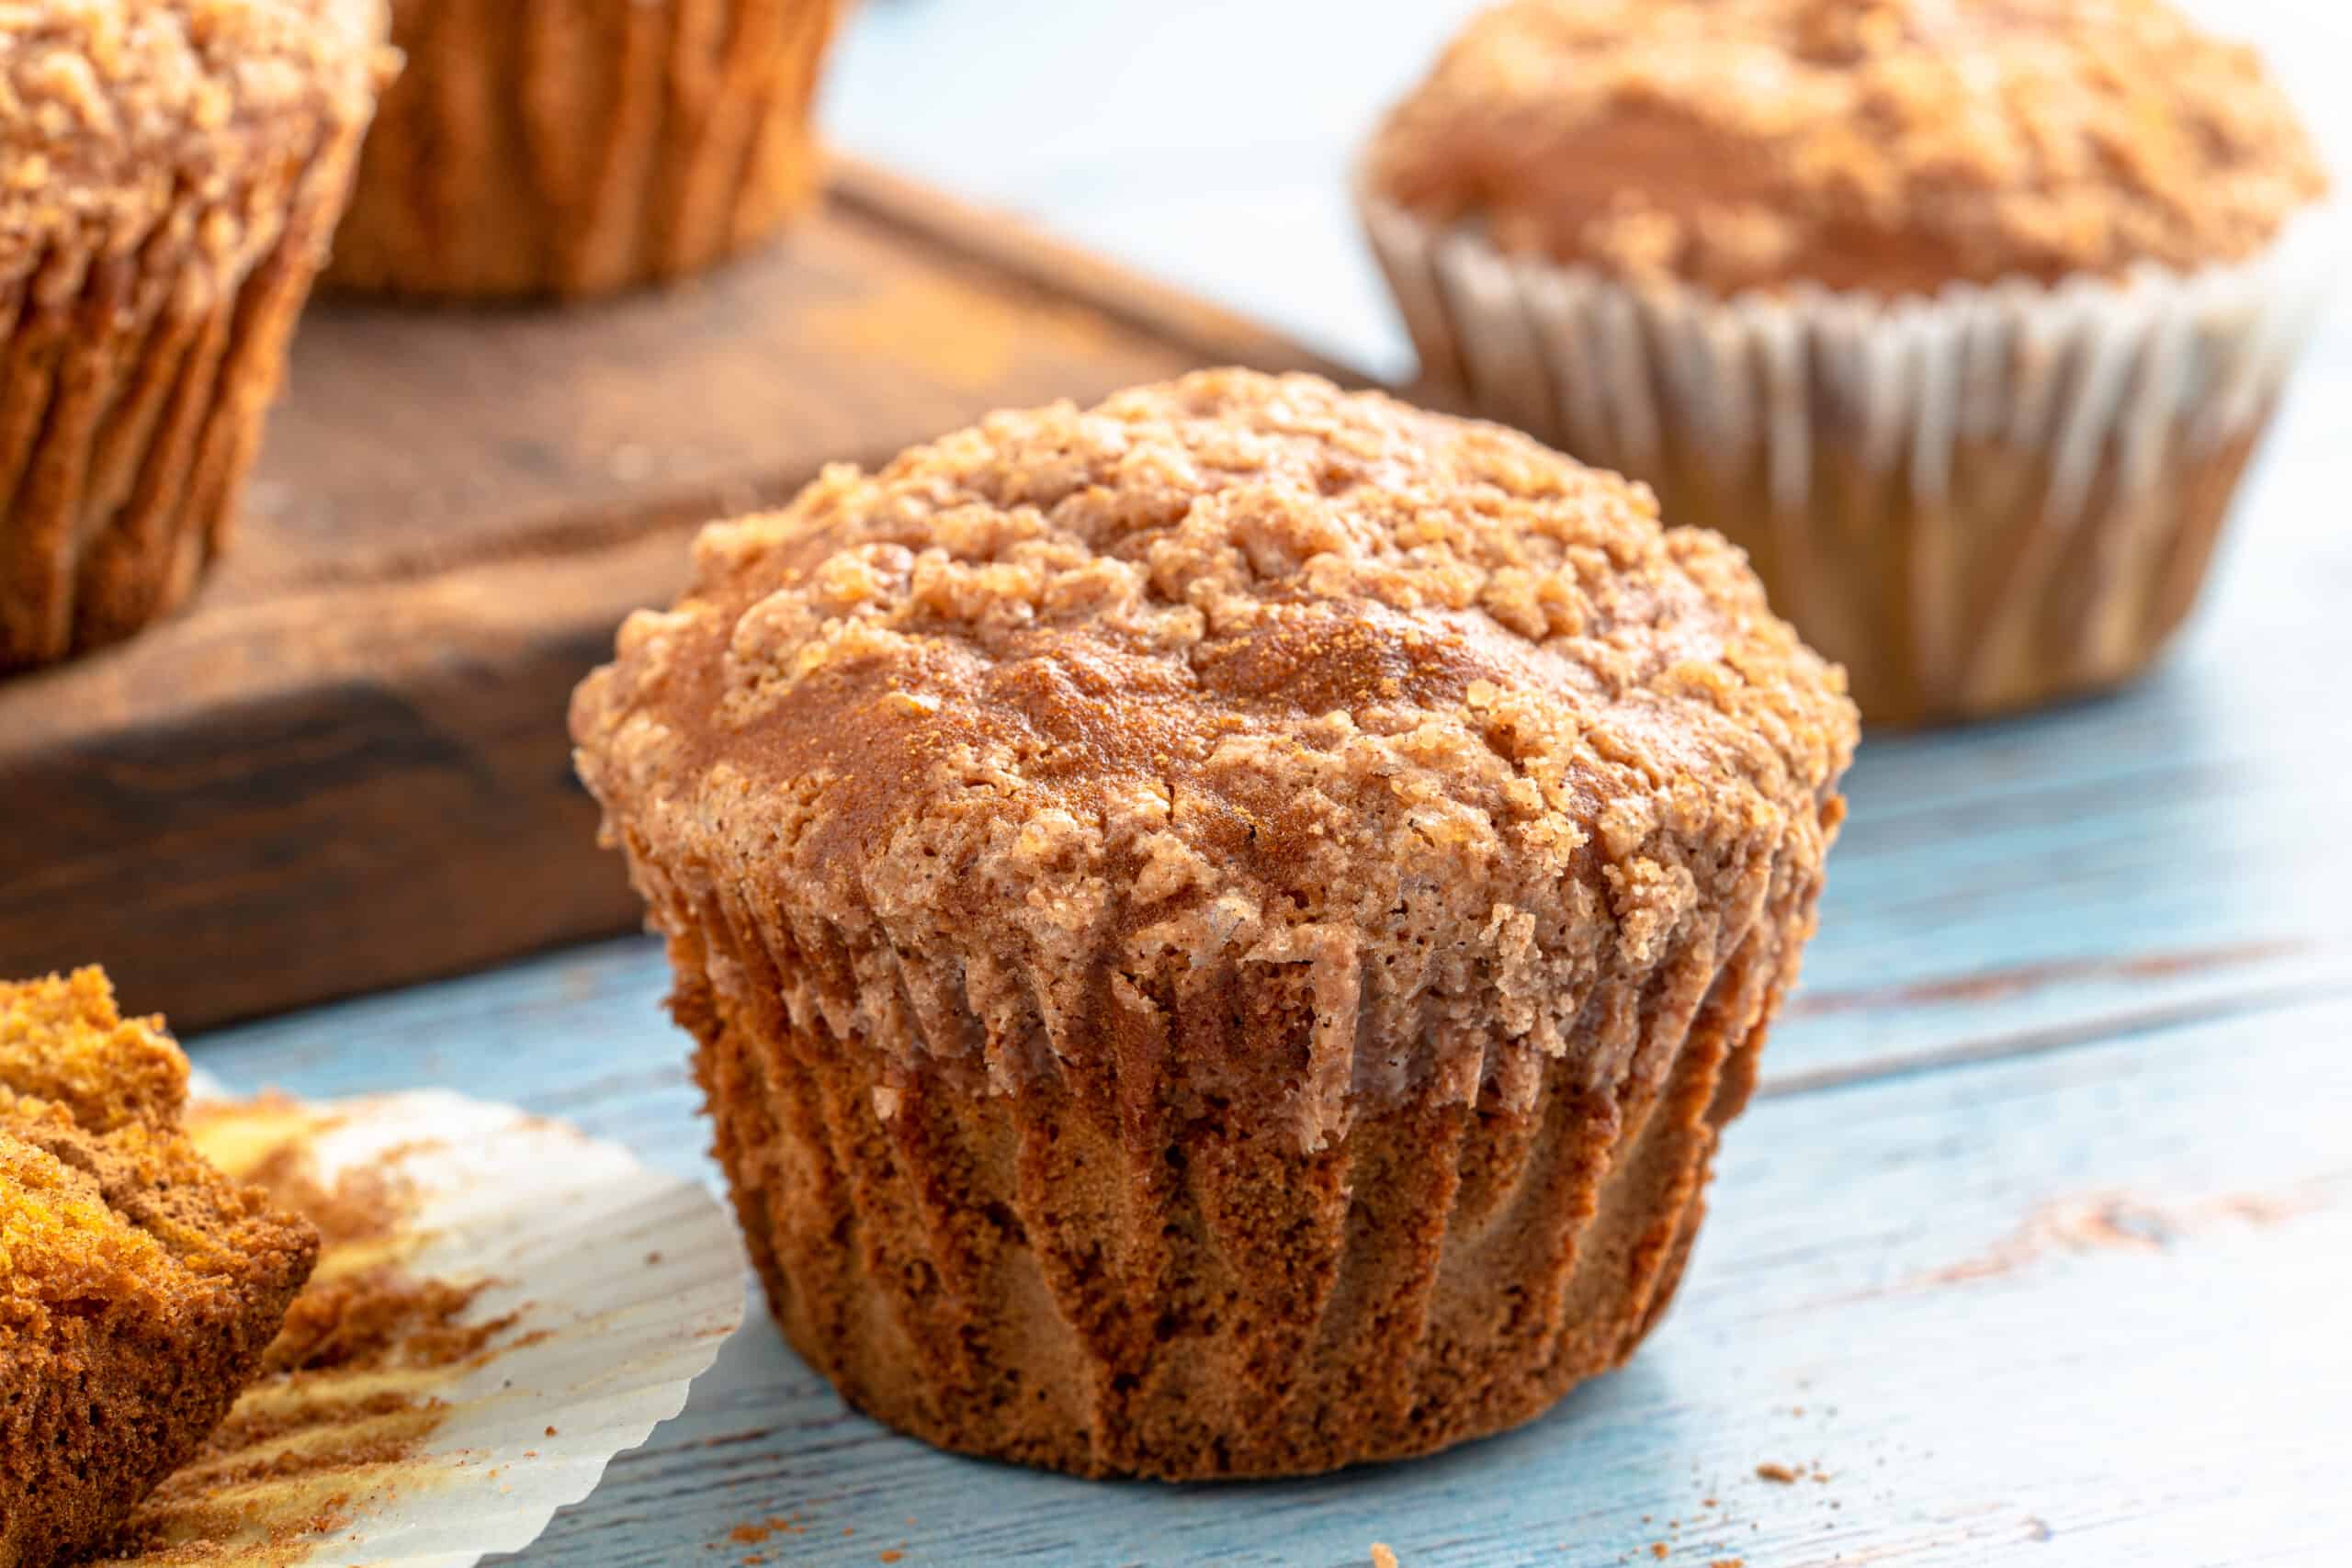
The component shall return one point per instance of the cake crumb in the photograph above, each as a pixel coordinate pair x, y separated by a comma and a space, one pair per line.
1382, 1557
1778, 1475
893, 1555
1658, 1550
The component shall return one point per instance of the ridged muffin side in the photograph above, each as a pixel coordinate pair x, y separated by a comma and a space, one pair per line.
579, 150
170, 175
1221, 929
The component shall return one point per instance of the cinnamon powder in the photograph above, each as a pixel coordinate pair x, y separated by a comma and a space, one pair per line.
347, 1404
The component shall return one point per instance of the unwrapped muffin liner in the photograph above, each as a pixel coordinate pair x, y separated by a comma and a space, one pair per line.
1977, 500
623, 1282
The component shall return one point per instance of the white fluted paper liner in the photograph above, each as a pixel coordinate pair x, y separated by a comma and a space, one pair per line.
625, 1281
2121, 410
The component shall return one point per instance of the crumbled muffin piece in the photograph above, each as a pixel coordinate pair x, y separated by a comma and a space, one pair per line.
137, 1287
1889, 145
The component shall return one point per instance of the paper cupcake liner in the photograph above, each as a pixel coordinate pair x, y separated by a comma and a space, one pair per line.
134, 384
620, 1284
1976, 501
583, 149
1132, 1240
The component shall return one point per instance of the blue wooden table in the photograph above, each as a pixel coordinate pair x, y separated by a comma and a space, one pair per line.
2037, 1244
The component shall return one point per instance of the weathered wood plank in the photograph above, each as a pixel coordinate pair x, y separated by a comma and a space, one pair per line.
346, 765
2088, 1301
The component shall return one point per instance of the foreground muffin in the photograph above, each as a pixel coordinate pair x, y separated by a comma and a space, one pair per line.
1963, 317
1221, 929
138, 1286
170, 172
583, 147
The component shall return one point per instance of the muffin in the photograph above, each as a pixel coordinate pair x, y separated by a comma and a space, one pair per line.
1963, 317
1219, 930
138, 1286
170, 172
583, 147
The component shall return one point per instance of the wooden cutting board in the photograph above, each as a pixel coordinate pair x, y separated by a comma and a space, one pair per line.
346, 765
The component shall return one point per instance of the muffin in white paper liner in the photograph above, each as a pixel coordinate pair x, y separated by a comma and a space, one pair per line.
1977, 500
621, 1282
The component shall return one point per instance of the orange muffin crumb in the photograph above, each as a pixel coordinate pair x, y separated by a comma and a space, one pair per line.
138, 1286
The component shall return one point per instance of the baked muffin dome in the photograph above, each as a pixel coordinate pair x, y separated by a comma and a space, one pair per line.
1894, 146
170, 171
1095, 845
1962, 318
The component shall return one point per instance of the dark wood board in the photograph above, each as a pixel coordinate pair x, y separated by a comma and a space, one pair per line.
344, 766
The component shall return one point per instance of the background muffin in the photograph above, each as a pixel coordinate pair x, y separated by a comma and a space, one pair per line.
170, 171
1962, 318
1220, 928
583, 147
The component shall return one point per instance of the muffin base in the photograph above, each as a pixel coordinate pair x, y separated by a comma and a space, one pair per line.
1976, 502
1983, 602
577, 151
1049, 1277
133, 391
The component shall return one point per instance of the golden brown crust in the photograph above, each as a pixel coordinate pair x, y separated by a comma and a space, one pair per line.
579, 148
117, 116
1894, 146
138, 1286
1234, 671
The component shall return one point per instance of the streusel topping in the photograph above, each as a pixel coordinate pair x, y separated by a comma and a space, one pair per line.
1234, 671
1889, 145
117, 114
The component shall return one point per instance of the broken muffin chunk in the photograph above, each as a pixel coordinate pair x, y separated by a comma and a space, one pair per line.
139, 1286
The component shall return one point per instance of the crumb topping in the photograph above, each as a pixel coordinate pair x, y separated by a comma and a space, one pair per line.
117, 114
1233, 670
1889, 145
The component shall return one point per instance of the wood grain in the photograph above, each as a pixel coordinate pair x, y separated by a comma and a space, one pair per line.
346, 766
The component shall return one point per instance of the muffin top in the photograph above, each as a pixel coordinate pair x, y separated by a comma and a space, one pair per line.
1894, 146
1233, 670
116, 113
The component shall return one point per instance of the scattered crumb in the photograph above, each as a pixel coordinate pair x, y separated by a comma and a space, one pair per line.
1779, 1475
747, 1535
1382, 1557
891, 1556
1822, 1476
1728, 1562
755, 1559
1658, 1550
653, 1260
846, 1530
550, 1431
